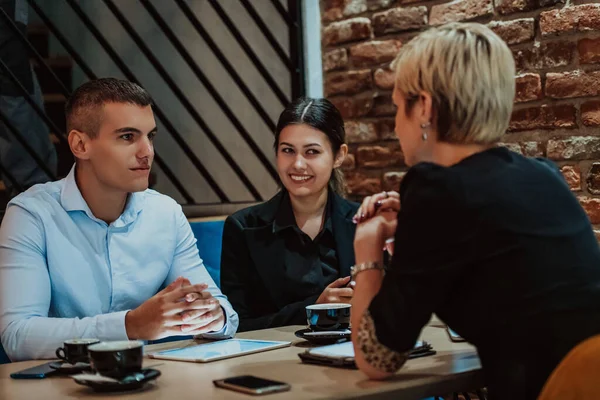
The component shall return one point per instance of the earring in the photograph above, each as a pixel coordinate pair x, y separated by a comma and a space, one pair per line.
424, 134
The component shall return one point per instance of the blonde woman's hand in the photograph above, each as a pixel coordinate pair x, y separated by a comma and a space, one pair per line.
379, 202
371, 235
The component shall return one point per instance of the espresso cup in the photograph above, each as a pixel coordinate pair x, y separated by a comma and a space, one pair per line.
117, 359
328, 317
75, 350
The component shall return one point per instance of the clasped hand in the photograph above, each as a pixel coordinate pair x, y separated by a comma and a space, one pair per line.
179, 309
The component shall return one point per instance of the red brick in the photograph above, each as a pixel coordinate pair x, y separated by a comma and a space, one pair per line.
459, 10
597, 234
572, 84
532, 149
529, 88
333, 10
547, 55
349, 162
543, 117
399, 19
570, 19
515, 31
374, 52
590, 113
589, 51
574, 148
362, 184
511, 6
347, 31
373, 5
572, 175
593, 179
348, 82
591, 207
391, 180
380, 156
512, 147
385, 78
360, 132
335, 59
355, 106
383, 106
386, 128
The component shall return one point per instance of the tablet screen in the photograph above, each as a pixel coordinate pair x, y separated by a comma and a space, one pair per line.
221, 349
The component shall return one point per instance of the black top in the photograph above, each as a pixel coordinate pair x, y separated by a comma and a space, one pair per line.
500, 249
271, 270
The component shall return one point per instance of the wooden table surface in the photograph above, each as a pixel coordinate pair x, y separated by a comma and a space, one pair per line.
455, 367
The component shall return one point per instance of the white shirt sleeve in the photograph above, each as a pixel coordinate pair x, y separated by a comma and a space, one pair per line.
25, 295
187, 263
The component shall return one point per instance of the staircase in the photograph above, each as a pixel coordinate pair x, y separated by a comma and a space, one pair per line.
54, 101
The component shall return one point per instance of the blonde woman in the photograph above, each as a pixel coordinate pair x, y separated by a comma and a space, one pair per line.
492, 242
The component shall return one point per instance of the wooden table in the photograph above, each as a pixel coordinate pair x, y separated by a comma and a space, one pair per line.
455, 367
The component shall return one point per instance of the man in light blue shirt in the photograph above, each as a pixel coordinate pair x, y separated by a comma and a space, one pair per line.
98, 254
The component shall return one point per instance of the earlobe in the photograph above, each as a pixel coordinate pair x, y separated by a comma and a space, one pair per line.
78, 142
340, 156
426, 106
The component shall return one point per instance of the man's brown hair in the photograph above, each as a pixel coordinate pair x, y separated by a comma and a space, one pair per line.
83, 110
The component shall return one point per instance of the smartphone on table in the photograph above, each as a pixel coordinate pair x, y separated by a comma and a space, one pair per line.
37, 372
252, 385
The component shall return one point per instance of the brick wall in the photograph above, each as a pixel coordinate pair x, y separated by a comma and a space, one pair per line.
557, 106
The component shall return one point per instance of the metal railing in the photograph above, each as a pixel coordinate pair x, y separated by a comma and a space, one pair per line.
293, 63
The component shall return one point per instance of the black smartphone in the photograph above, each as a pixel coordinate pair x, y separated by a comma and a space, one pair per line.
252, 385
37, 372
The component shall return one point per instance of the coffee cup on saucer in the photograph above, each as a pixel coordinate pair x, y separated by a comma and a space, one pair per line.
75, 350
117, 359
328, 317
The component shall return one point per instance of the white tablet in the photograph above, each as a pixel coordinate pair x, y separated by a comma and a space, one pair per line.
214, 351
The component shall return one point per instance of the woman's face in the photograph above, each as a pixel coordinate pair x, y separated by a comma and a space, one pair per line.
408, 130
305, 160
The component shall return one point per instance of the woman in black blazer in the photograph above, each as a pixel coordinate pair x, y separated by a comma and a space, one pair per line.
295, 249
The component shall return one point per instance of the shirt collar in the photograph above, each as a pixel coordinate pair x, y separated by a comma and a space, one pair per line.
72, 200
285, 218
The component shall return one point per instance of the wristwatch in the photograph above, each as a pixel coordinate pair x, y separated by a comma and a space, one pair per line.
358, 268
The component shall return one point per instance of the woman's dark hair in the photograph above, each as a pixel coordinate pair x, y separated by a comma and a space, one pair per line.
322, 115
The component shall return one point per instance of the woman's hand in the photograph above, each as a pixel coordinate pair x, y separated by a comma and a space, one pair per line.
337, 291
371, 235
371, 205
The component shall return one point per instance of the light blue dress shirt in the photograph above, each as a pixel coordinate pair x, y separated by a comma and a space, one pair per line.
66, 274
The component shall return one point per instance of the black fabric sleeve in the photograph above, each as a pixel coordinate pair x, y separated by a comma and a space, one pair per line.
246, 292
434, 245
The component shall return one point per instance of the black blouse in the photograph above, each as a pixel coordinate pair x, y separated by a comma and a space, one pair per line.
271, 270
500, 249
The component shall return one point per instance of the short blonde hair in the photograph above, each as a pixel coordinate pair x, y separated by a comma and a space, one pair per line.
469, 72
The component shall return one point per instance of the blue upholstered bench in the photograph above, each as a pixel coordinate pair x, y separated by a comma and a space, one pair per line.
209, 234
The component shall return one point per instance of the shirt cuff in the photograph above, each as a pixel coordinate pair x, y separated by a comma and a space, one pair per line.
112, 326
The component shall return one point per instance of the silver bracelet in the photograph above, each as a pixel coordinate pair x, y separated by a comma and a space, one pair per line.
358, 268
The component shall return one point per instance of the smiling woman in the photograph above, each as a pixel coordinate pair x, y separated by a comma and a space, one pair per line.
295, 249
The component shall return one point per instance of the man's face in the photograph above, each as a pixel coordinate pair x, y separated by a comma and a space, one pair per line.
122, 152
